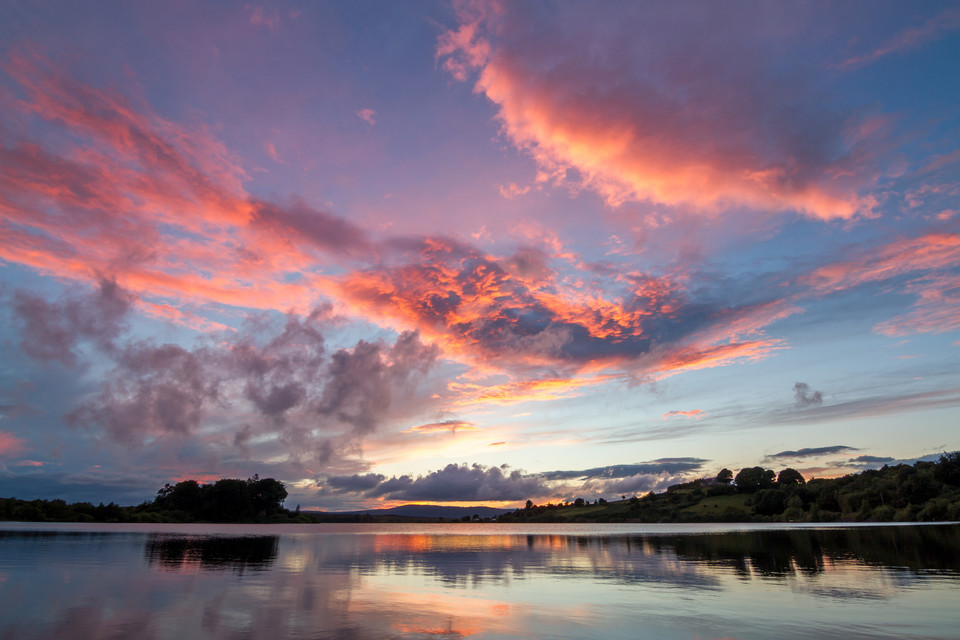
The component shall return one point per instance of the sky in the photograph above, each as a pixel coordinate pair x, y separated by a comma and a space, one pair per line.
474, 252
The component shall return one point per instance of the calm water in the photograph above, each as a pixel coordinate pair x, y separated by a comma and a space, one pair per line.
480, 581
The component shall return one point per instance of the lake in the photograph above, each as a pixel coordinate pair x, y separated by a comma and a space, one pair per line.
366, 582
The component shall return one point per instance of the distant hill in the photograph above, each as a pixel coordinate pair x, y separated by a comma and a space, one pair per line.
433, 511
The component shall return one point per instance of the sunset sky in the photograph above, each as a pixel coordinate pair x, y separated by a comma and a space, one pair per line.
393, 252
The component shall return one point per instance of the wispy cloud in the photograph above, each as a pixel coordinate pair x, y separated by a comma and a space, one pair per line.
447, 426
909, 39
808, 452
693, 413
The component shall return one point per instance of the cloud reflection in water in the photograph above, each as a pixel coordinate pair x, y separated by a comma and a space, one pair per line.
416, 585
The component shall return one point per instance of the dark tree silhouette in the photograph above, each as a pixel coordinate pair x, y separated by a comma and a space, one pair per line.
753, 479
947, 470
790, 477
725, 476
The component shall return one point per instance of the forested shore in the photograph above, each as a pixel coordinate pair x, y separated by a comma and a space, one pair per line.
922, 492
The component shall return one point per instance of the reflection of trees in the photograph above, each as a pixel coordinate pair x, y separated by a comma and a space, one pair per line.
777, 553
212, 553
687, 560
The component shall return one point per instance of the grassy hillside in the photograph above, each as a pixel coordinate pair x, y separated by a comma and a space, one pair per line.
926, 491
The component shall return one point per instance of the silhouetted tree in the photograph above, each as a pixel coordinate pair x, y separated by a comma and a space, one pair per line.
753, 479
266, 495
947, 470
725, 476
790, 477
770, 502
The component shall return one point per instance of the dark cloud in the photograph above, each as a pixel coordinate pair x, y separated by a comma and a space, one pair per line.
875, 462
478, 482
803, 396
810, 452
662, 466
51, 331
295, 221
364, 381
318, 405
122, 488
354, 483
640, 483
153, 391
462, 482
278, 371
872, 459
485, 307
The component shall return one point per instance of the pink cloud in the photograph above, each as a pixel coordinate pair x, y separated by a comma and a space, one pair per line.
695, 413
924, 262
932, 251
158, 206
368, 115
704, 124
261, 17
272, 152
512, 190
10, 444
937, 309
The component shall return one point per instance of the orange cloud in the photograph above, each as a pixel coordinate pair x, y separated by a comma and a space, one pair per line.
468, 394
159, 207
652, 134
447, 426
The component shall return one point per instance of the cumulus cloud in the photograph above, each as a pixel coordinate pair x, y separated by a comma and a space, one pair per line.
51, 331
519, 315
354, 483
317, 403
468, 483
803, 397
365, 380
154, 391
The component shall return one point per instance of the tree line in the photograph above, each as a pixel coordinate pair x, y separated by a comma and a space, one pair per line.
924, 492
255, 499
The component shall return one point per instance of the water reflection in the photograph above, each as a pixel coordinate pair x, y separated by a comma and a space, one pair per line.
211, 553
856, 583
